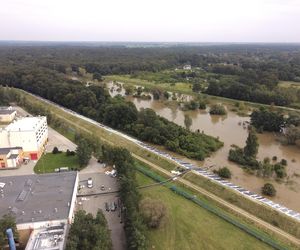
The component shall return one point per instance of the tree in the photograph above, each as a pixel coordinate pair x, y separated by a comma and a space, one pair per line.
188, 121
153, 212
268, 189
251, 148
224, 172
196, 87
88, 232
84, 152
6, 222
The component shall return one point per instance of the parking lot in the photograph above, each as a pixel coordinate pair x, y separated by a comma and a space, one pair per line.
91, 204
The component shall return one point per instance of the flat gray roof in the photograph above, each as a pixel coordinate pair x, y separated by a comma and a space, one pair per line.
6, 111
33, 198
7, 150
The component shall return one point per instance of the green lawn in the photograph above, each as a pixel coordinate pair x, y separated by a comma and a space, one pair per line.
190, 227
48, 162
289, 84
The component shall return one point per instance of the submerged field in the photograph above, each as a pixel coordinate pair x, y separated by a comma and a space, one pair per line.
190, 227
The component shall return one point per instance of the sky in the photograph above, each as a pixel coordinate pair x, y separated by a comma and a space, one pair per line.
151, 20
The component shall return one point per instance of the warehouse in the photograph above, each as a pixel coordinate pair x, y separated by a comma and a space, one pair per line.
38, 201
30, 133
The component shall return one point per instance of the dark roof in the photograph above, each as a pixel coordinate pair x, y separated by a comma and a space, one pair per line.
7, 150
33, 198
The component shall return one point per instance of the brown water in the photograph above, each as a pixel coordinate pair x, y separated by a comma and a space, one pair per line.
230, 130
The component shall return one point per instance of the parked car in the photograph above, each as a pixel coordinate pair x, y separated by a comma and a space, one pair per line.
106, 207
112, 207
102, 187
90, 183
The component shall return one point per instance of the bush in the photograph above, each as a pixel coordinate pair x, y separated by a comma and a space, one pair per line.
55, 151
217, 109
224, 173
153, 212
268, 189
283, 162
274, 158
70, 153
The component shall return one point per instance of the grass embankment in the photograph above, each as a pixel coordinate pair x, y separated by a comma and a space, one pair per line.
82, 126
262, 211
190, 227
49, 162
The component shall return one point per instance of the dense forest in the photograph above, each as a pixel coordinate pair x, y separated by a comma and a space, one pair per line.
250, 72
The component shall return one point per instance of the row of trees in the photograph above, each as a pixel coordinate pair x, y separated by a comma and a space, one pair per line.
129, 195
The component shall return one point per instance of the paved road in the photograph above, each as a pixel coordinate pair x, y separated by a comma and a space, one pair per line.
189, 184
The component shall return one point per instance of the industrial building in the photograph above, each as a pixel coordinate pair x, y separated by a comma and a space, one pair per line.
42, 204
11, 157
7, 114
30, 133
39, 200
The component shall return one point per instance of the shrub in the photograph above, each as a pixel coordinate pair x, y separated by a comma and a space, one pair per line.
283, 162
224, 172
55, 150
268, 189
153, 212
217, 109
70, 153
274, 158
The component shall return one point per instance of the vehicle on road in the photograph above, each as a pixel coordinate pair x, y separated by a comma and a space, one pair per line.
106, 207
112, 207
90, 183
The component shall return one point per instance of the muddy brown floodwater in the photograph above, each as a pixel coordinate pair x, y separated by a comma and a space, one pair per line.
230, 130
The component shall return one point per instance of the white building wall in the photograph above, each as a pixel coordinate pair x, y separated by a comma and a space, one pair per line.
73, 201
26, 139
30, 140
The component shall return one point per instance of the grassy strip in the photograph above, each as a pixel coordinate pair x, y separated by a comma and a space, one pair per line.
239, 217
267, 214
202, 202
49, 162
83, 126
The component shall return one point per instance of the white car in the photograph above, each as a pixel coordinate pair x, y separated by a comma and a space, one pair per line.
90, 183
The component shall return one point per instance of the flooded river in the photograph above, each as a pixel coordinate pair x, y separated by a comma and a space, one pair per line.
230, 130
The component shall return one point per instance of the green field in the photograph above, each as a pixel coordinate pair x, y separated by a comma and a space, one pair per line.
190, 227
48, 162
289, 84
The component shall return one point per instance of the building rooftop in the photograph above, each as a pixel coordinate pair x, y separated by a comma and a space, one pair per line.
25, 124
34, 198
5, 151
6, 111
51, 238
